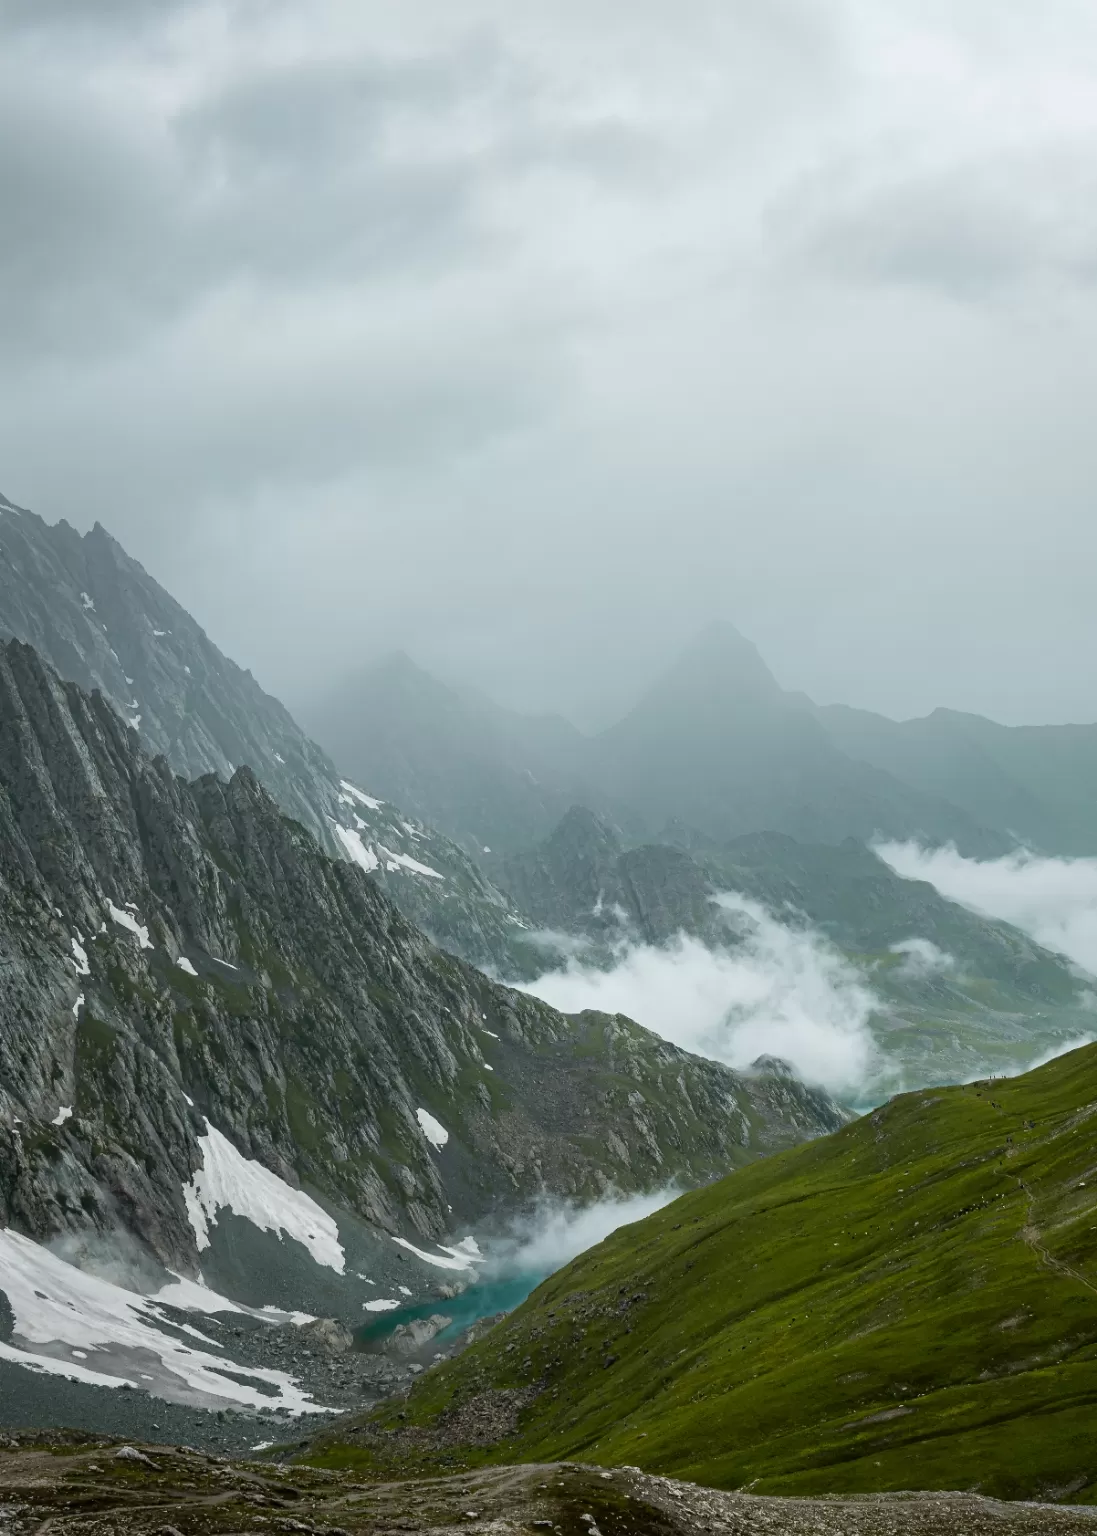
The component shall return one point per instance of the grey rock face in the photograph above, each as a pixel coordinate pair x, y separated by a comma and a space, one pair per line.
101, 621
407, 1339
174, 951
583, 880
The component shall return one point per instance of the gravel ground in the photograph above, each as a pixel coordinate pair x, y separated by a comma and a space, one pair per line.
104, 1489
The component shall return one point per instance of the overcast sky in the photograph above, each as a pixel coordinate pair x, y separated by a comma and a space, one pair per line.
531, 334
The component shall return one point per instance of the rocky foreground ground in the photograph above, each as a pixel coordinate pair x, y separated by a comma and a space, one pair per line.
103, 1488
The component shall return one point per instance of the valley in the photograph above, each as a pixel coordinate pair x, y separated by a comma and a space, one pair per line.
288, 1117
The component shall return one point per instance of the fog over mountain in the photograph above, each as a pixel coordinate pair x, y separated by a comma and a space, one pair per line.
528, 341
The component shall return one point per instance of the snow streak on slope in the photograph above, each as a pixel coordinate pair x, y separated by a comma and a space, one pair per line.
351, 796
126, 919
229, 1181
432, 1129
356, 850
1054, 901
70, 1323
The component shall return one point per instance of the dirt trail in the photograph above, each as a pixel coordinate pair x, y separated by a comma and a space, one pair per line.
99, 1489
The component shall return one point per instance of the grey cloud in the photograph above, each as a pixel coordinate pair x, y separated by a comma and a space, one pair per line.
531, 340
111, 231
964, 231
88, 20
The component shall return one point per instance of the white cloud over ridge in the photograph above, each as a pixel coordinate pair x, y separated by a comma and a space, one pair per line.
922, 959
1053, 900
555, 1232
784, 991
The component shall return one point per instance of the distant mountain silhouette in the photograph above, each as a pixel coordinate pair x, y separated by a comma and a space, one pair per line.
714, 742
1035, 783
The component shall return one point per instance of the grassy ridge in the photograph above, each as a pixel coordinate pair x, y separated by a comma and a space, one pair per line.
908, 1303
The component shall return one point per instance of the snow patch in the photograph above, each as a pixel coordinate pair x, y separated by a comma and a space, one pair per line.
384, 1305
395, 861
356, 850
89, 606
134, 722
194, 1296
64, 1316
432, 1129
229, 1181
449, 1259
184, 965
63, 1114
126, 919
80, 958
356, 794
76, 1007
160, 633
278, 758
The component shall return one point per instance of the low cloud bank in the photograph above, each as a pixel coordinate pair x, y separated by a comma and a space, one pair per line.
922, 959
1054, 901
555, 1232
782, 991
1055, 1051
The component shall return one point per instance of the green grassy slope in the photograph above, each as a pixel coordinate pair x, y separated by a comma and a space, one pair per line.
908, 1303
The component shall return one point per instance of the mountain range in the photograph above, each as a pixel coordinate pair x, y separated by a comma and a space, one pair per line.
714, 743
717, 744
177, 956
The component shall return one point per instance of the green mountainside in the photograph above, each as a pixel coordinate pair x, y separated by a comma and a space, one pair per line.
908, 1303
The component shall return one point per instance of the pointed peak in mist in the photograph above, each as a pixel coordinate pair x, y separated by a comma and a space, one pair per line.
719, 676
723, 658
581, 828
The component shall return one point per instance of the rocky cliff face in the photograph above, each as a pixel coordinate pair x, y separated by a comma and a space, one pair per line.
101, 621
584, 880
177, 957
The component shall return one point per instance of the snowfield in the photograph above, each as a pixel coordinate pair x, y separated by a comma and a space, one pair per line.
227, 1180
73, 1324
